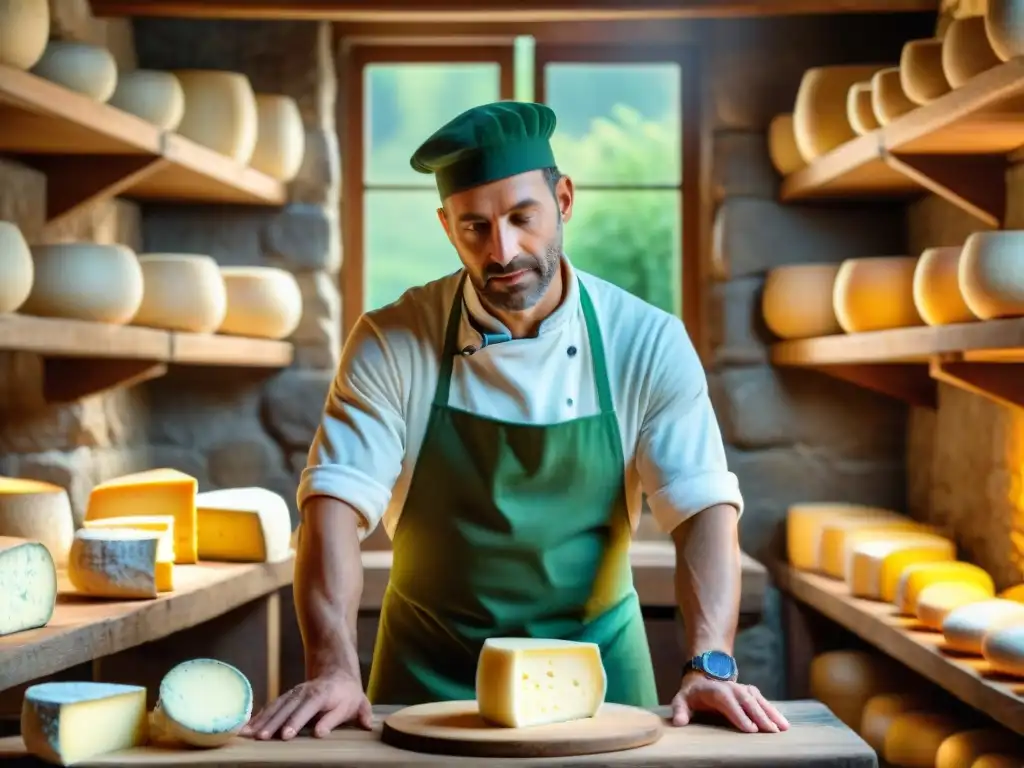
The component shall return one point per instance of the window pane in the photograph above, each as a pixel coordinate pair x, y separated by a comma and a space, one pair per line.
632, 239
404, 244
618, 124
405, 103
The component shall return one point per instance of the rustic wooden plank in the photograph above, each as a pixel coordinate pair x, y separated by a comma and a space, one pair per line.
237, 351
80, 338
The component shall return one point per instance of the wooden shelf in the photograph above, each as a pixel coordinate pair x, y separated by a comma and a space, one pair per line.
955, 147
91, 151
966, 677
985, 358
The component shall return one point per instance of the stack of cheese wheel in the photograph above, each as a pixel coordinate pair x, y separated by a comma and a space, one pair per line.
782, 147
220, 112
859, 111
820, 122
888, 99
797, 301
263, 302
915, 578
875, 563
15, 263
181, 292
966, 50
876, 293
805, 522
1004, 27
280, 137
24, 31
844, 681
31, 509
964, 628
991, 274
937, 293
964, 748
921, 72
840, 537
82, 67
156, 97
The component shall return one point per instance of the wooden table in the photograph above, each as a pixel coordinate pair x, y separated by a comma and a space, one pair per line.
816, 738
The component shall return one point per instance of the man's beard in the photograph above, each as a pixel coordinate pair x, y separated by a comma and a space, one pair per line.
529, 289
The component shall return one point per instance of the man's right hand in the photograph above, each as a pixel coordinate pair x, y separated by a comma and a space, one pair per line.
337, 698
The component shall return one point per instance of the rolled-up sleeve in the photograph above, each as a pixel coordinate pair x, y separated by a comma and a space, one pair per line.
357, 453
680, 455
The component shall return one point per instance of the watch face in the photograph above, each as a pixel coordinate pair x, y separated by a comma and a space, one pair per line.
718, 664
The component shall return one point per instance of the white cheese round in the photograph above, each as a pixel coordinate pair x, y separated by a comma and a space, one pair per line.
220, 112
966, 50
887, 97
782, 147
937, 293
921, 74
1003, 649
797, 301
936, 601
280, 137
965, 627
1004, 27
203, 703
991, 274
156, 97
83, 67
30, 509
85, 281
24, 30
876, 293
263, 302
820, 121
859, 111
181, 292
15, 266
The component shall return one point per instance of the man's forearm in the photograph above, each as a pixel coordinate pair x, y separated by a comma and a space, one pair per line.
708, 574
328, 585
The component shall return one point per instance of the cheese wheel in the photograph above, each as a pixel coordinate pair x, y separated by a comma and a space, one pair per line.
118, 563
888, 101
181, 292
965, 627
805, 524
998, 761
15, 266
203, 703
914, 739
30, 509
820, 122
249, 525
220, 112
28, 585
916, 577
1004, 27
82, 67
937, 600
991, 274
964, 748
937, 294
160, 524
859, 111
838, 536
880, 712
844, 681
1003, 648
280, 137
24, 31
782, 149
921, 75
85, 281
1016, 592
874, 566
966, 51
156, 97
263, 302
797, 301
875, 294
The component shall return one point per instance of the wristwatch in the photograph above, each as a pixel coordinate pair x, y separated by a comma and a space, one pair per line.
717, 665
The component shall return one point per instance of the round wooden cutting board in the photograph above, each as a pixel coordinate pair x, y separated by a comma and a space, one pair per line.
456, 728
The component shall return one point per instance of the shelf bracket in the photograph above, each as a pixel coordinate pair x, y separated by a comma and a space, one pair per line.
973, 183
67, 379
908, 382
1002, 383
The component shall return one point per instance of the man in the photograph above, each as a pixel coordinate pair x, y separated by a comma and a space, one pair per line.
502, 422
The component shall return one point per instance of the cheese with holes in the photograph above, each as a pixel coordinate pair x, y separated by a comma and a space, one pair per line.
28, 585
24, 32
67, 723
914, 739
961, 749
248, 525
881, 711
524, 681
1003, 649
263, 302
115, 562
797, 301
937, 600
805, 523
163, 525
30, 509
280, 137
965, 627
838, 538
15, 263
876, 293
937, 293
81, 67
220, 112
203, 703
156, 97
992, 274
875, 565
916, 577
844, 681
161, 492
181, 292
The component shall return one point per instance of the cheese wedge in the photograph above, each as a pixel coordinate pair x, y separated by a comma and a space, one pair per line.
804, 524
916, 577
117, 562
882, 710
203, 703
838, 540
30, 509
937, 600
28, 585
965, 627
164, 525
962, 749
915, 738
844, 681
249, 525
67, 723
1003, 649
159, 492
874, 565
522, 682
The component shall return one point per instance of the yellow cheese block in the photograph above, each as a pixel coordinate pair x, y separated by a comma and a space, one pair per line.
937, 600
840, 536
164, 525
521, 682
249, 525
805, 523
916, 577
159, 492
844, 681
875, 565
115, 562
30, 509
914, 739
880, 712
1003, 649
964, 748
964, 629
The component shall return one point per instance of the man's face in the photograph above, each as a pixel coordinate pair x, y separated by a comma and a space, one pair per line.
508, 235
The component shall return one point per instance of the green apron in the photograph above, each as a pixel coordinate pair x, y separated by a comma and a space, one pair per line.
510, 530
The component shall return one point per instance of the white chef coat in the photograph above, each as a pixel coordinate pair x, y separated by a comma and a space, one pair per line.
375, 417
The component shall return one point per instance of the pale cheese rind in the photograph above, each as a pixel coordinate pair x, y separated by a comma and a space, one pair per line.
1003, 649
840, 537
804, 524
161, 524
871, 564
243, 525
114, 563
203, 703
937, 600
964, 629
28, 585
30, 509
916, 577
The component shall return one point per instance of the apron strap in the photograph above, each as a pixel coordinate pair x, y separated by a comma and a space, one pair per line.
451, 338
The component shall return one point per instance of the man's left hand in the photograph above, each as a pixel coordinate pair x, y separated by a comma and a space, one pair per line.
743, 705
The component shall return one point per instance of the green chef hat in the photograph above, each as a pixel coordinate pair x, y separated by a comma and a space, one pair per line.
487, 143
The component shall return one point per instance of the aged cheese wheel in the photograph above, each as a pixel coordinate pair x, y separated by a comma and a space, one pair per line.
921, 74
24, 30
965, 627
844, 681
156, 97
937, 294
962, 749
881, 710
181, 292
280, 137
263, 302
875, 294
15, 266
859, 111
85, 281
937, 600
1016, 592
805, 523
30, 509
83, 67
920, 575
220, 112
914, 739
992, 274
820, 122
1004, 27
998, 761
203, 703
838, 537
797, 301
875, 565
966, 50
1003, 649
782, 147
887, 97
